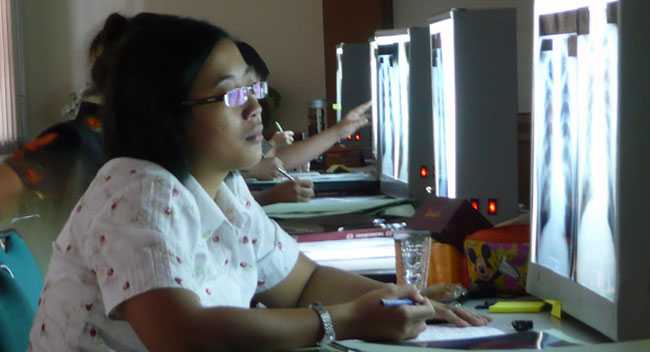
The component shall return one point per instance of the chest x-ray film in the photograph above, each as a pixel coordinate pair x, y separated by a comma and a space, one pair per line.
575, 159
392, 88
443, 93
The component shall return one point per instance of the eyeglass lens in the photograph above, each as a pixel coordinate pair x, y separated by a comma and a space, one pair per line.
239, 96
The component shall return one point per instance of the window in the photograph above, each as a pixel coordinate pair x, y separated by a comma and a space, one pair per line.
9, 126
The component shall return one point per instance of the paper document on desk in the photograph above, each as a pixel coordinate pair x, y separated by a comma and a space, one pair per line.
434, 334
331, 206
451, 332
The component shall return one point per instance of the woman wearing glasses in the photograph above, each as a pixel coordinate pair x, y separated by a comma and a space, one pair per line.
166, 249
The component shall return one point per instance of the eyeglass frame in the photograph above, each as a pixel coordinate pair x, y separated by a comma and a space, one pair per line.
250, 90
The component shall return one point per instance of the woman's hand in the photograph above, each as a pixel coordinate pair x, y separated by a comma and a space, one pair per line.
458, 315
355, 119
267, 169
291, 191
379, 323
282, 139
452, 313
444, 292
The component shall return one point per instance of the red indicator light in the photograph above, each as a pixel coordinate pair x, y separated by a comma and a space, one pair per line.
424, 171
476, 204
492, 207
357, 137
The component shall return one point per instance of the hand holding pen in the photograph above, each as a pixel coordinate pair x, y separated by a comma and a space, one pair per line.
452, 313
391, 323
281, 138
286, 174
295, 190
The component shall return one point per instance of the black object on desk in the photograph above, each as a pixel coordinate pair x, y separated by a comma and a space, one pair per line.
485, 305
522, 325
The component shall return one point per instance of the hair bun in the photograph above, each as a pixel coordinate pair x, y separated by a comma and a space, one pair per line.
114, 27
102, 47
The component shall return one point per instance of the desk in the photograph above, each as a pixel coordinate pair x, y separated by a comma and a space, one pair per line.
631, 346
327, 229
330, 184
572, 329
568, 326
594, 341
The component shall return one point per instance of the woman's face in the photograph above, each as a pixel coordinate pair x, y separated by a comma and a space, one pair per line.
225, 138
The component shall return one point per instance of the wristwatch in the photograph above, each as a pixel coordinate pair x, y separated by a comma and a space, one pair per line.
328, 325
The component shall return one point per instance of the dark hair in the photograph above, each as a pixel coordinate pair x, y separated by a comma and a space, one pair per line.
153, 70
253, 59
101, 48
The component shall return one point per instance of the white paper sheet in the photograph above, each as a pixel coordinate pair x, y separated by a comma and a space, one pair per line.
451, 332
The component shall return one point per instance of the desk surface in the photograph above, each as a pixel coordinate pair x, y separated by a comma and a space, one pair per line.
571, 328
631, 346
568, 326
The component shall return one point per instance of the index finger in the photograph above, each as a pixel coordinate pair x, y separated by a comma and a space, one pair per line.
410, 292
470, 317
421, 311
362, 108
452, 317
306, 183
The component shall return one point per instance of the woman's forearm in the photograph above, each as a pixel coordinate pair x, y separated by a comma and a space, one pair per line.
325, 285
302, 152
234, 329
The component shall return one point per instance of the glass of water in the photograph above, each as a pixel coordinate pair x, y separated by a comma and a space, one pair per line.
412, 251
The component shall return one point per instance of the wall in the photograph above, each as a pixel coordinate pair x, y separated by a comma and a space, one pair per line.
417, 12
346, 21
287, 33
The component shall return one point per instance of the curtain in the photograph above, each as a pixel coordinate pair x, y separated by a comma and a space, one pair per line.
8, 119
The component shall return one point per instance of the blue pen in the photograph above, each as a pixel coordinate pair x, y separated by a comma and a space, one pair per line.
397, 302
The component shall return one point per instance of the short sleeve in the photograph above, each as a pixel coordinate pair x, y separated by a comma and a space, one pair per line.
143, 239
276, 251
276, 256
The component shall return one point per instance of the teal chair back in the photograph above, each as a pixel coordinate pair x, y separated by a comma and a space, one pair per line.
20, 286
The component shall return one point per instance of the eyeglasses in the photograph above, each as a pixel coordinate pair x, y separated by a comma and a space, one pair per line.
234, 97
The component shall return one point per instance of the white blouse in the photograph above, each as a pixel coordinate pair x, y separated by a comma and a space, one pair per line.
138, 228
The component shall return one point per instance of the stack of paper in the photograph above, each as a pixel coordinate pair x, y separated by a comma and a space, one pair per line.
367, 255
451, 332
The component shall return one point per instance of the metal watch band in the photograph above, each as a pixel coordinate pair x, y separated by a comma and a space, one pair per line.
326, 319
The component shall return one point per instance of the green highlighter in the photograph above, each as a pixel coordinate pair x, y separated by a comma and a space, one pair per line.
518, 307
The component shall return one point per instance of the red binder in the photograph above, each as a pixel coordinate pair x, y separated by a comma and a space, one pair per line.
352, 234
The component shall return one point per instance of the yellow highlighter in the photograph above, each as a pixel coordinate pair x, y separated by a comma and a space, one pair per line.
518, 307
